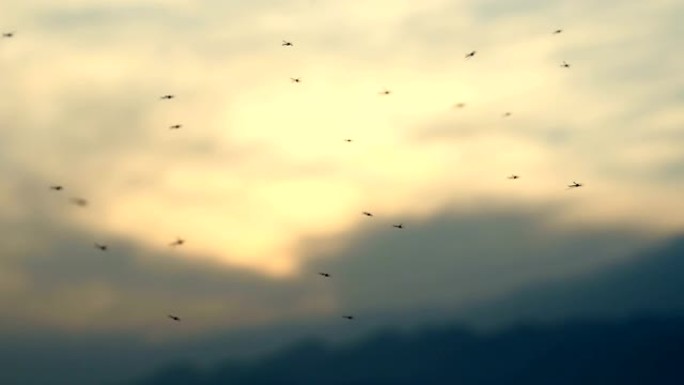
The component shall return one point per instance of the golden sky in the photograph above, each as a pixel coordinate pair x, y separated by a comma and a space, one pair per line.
260, 166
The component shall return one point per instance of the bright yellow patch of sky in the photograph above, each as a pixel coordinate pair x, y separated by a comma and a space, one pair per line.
253, 209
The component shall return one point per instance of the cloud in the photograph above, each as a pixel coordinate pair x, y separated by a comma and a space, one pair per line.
60, 282
260, 176
131, 349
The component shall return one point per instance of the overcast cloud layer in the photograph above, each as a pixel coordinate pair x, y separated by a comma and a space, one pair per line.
265, 190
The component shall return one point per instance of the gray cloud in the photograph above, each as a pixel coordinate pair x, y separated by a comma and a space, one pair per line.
435, 268
457, 258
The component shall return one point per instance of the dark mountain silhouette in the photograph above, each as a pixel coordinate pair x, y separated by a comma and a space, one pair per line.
640, 351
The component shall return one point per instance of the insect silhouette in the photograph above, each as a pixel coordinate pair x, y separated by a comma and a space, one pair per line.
177, 242
79, 202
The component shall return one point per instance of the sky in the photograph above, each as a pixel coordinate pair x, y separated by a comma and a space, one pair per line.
265, 190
